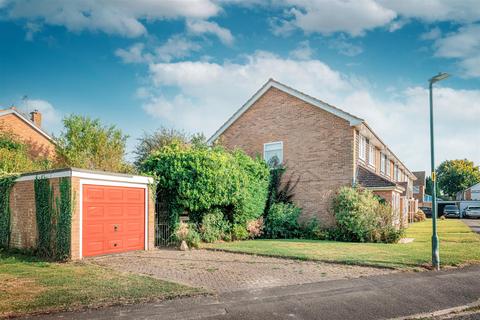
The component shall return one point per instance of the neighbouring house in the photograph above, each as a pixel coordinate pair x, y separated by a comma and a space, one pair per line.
322, 146
111, 212
470, 194
419, 186
29, 129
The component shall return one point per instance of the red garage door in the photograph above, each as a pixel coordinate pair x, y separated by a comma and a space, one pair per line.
113, 219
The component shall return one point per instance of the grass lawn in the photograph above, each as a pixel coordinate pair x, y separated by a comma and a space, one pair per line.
458, 245
29, 285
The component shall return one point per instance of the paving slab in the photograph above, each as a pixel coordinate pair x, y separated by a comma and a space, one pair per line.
225, 272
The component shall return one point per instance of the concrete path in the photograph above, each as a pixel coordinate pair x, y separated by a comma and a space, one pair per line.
375, 297
225, 272
474, 224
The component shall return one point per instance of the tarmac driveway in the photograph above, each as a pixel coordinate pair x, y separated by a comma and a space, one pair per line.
225, 272
474, 224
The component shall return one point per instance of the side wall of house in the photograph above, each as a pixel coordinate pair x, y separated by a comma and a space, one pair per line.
317, 147
39, 144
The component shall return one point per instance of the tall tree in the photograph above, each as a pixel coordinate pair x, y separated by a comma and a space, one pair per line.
154, 141
87, 143
429, 187
457, 175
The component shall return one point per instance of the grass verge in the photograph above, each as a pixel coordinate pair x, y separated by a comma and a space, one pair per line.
458, 246
29, 285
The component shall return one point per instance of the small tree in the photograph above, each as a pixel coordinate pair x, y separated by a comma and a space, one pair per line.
89, 144
457, 175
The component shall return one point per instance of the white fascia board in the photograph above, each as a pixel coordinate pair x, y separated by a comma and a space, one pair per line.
353, 121
393, 188
30, 123
87, 175
45, 175
114, 178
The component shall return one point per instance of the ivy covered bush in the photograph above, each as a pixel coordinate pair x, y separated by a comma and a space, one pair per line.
221, 191
361, 217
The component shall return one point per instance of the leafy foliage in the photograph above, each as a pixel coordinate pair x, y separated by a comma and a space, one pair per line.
64, 220
239, 232
188, 232
360, 217
457, 175
214, 227
53, 221
6, 184
282, 221
199, 180
44, 216
87, 143
429, 187
16, 158
279, 192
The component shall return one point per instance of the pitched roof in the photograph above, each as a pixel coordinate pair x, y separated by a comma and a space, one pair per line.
420, 178
25, 119
271, 83
369, 179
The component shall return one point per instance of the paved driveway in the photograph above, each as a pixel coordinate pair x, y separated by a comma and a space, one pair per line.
474, 224
224, 272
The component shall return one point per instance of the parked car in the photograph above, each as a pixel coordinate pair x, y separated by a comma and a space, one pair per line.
451, 210
472, 212
427, 211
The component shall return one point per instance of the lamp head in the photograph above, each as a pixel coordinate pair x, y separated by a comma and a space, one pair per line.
439, 77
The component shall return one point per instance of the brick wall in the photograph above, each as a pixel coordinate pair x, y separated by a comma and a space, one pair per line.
39, 144
23, 213
317, 146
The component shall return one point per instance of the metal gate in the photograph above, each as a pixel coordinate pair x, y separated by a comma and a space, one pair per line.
163, 231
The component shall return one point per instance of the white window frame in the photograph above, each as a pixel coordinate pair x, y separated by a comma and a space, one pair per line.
388, 166
383, 163
269, 144
362, 148
371, 155
395, 172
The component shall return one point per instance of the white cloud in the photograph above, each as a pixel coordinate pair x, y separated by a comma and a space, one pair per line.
327, 16
32, 28
433, 34
175, 47
51, 117
204, 27
206, 94
463, 45
435, 10
303, 51
343, 46
121, 17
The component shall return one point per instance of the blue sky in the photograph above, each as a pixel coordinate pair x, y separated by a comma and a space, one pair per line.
190, 64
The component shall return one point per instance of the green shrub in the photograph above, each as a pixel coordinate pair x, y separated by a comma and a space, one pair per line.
214, 227
360, 217
239, 232
6, 185
197, 180
313, 230
282, 221
187, 232
419, 216
15, 156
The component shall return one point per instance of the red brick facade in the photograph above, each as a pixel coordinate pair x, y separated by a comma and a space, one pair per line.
319, 146
39, 144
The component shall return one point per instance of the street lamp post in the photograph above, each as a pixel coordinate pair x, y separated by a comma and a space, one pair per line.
435, 242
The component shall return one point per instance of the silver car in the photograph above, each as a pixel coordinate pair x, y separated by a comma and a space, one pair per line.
472, 212
451, 210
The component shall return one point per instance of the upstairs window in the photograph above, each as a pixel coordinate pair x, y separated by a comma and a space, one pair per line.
383, 162
362, 148
388, 167
273, 153
395, 173
371, 155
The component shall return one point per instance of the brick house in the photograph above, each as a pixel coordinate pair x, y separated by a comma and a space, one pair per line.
321, 145
28, 129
